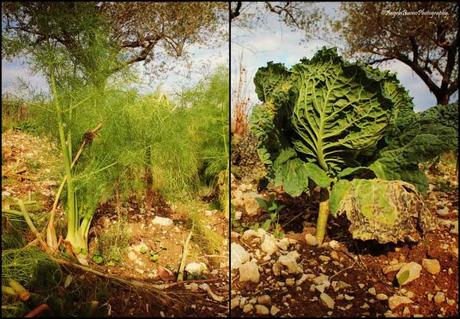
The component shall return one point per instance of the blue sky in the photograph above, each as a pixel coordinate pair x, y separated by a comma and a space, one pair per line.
273, 41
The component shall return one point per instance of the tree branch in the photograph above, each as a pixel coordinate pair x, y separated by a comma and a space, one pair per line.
377, 61
279, 10
236, 12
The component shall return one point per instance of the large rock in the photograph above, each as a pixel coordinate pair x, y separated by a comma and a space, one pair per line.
249, 272
408, 272
431, 265
239, 255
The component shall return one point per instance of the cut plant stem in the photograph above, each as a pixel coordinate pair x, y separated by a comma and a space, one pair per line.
323, 213
6, 290
180, 276
22, 292
148, 178
51, 238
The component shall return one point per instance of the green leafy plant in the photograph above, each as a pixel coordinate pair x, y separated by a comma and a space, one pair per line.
97, 258
326, 120
273, 208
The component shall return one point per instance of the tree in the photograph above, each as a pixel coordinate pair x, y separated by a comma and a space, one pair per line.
296, 15
422, 35
100, 39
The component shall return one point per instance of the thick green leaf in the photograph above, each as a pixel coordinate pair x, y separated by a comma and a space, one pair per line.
387, 211
338, 192
317, 175
293, 176
262, 203
328, 110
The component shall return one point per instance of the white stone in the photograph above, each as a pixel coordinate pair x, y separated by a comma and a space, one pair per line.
431, 265
443, 212
334, 244
440, 297
239, 255
290, 261
327, 300
251, 206
196, 269
413, 270
264, 300
249, 272
248, 234
269, 245
132, 256
395, 301
248, 308
290, 281
311, 240
301, 280
381, 297
162, 221
262, 310
283, 243
238, 215
274, 310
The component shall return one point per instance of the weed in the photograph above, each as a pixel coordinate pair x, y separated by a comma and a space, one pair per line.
112, 244
273, 208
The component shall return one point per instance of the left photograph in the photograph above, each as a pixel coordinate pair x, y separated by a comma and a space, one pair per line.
115, 159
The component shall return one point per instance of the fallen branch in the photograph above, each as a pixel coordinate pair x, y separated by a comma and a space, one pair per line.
211, 294
135, 283
23, 213
37, 311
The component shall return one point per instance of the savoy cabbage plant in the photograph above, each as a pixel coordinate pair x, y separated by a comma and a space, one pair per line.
326, 120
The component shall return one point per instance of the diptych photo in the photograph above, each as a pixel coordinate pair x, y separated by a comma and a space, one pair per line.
229, 159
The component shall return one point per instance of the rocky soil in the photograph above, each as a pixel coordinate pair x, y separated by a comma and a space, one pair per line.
31, 171
293, 276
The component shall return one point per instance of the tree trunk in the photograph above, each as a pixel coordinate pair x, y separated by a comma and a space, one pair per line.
323, 214
148, 179
442, 98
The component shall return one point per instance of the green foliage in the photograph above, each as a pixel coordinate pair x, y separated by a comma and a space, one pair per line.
386, 211
320, 116
31, 267
348, 119
273, 208
417, 138
112, 244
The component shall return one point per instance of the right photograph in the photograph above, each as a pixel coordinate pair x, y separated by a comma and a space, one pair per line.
344, 159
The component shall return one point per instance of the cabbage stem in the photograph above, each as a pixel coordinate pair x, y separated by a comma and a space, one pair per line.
322, 216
